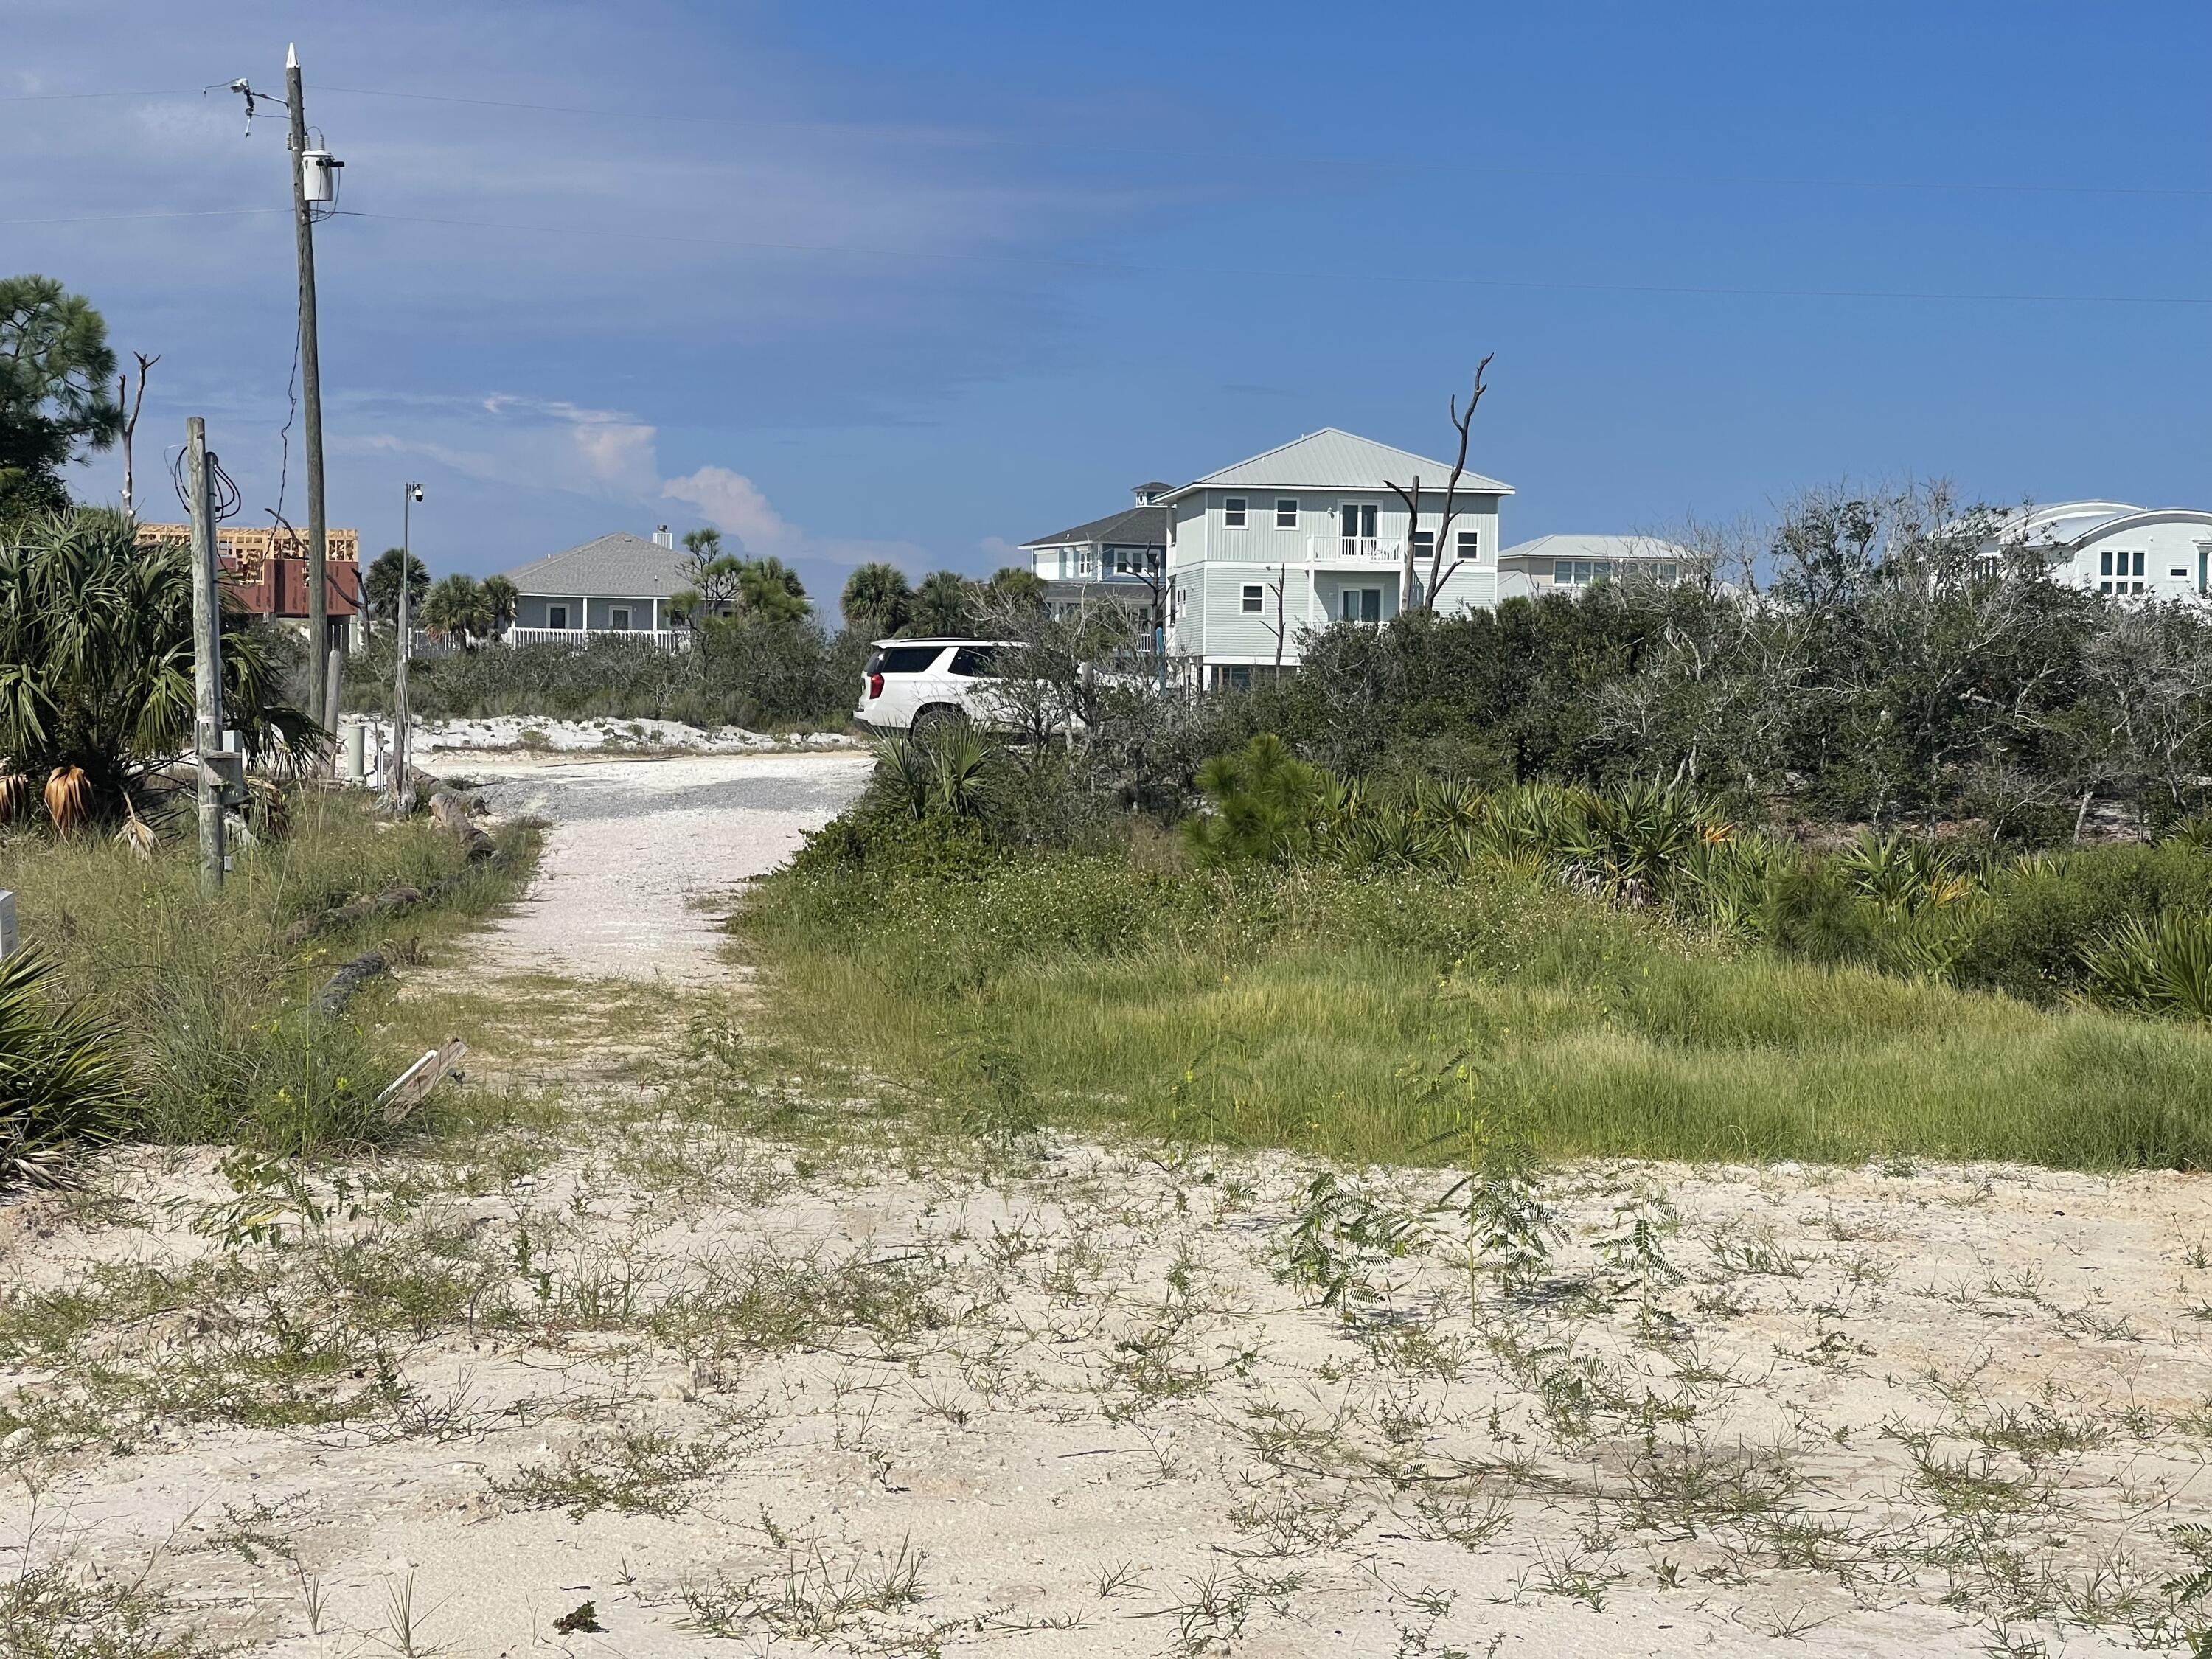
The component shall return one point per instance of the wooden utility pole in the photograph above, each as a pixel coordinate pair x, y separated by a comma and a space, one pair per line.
403, 784
207, 660
311, 395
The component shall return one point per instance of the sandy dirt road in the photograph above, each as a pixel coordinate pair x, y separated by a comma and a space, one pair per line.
641, 853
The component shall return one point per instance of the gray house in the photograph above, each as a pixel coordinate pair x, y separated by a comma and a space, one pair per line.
617, 584
1121, 558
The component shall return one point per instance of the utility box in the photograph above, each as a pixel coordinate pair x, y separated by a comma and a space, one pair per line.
7, 924
357, 753
319, 175
229, 766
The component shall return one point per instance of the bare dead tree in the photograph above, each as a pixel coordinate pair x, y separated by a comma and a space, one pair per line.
1463, 420
1282, 620
130, 423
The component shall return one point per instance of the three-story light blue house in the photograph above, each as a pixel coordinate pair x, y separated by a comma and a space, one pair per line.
1314, 533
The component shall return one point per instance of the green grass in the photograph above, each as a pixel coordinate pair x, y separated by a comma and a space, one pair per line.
210, 998
1320, 1009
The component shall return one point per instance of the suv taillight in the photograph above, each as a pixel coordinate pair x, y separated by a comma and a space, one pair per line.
875, 686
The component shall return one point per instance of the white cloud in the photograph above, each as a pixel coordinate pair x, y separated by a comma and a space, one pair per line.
735, 504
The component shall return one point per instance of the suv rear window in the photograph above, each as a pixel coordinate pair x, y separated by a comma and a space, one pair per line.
903, 659
975, 661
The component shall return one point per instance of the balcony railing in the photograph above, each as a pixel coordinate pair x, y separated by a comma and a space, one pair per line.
645, 639
1356, 549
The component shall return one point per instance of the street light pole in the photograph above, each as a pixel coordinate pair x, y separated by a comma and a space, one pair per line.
403, 788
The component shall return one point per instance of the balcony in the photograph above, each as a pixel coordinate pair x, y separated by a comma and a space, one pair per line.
1354, 550
645, 639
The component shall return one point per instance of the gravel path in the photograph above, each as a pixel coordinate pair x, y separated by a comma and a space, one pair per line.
641, 852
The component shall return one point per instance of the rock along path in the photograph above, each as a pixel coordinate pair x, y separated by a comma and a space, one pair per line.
641, 853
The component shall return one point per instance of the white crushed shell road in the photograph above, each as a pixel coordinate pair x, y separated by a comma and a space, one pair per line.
642, 854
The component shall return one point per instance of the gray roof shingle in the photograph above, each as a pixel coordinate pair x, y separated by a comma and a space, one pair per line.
619, 566
1133, 526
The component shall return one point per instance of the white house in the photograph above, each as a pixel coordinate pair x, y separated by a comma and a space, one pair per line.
1308, 534
1568, 564
2109, 547
617, 584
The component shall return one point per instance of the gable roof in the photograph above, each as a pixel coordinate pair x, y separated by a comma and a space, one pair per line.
1333, 459
1133, 526
619, 566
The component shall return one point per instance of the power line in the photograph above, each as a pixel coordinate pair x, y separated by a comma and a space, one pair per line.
1109, 267
113, 218
1710, 290
1034, 142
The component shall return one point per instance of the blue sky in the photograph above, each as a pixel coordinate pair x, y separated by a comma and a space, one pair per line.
857, 281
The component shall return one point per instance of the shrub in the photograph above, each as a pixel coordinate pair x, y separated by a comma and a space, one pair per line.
2163, 966
96, 657
61, 1080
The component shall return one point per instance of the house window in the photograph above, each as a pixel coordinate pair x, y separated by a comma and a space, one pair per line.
1666, 574
1580, 572
2104, 565
2104, 587
2139, 567
1425, 543
1470, 544
1286, 512
1253, 594
618, 619
1232, 512
556, 615
1361, 604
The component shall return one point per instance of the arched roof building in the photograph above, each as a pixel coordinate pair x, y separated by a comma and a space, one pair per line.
2110, 547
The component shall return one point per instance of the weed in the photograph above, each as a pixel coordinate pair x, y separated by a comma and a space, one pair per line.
810, 1596
633, 1469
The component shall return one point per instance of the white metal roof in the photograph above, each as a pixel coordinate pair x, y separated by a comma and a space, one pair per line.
1596, 547
1331, 459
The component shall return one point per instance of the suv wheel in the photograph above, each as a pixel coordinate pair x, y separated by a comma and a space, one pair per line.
938, 720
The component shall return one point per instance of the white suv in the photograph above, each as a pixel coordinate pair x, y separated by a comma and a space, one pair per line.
922, 685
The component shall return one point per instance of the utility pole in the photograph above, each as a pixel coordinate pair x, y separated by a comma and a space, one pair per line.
311, 396
403, 784
207, 661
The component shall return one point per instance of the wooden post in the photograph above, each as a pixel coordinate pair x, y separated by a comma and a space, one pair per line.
207, 658
331, 696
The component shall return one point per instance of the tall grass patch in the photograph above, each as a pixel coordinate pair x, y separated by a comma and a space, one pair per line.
209, 996
1316, 1006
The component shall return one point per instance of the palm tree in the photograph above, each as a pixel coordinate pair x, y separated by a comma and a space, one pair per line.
877, 599
96, 657
501, 598
942, 603
380, 587
456, 606
769, 589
